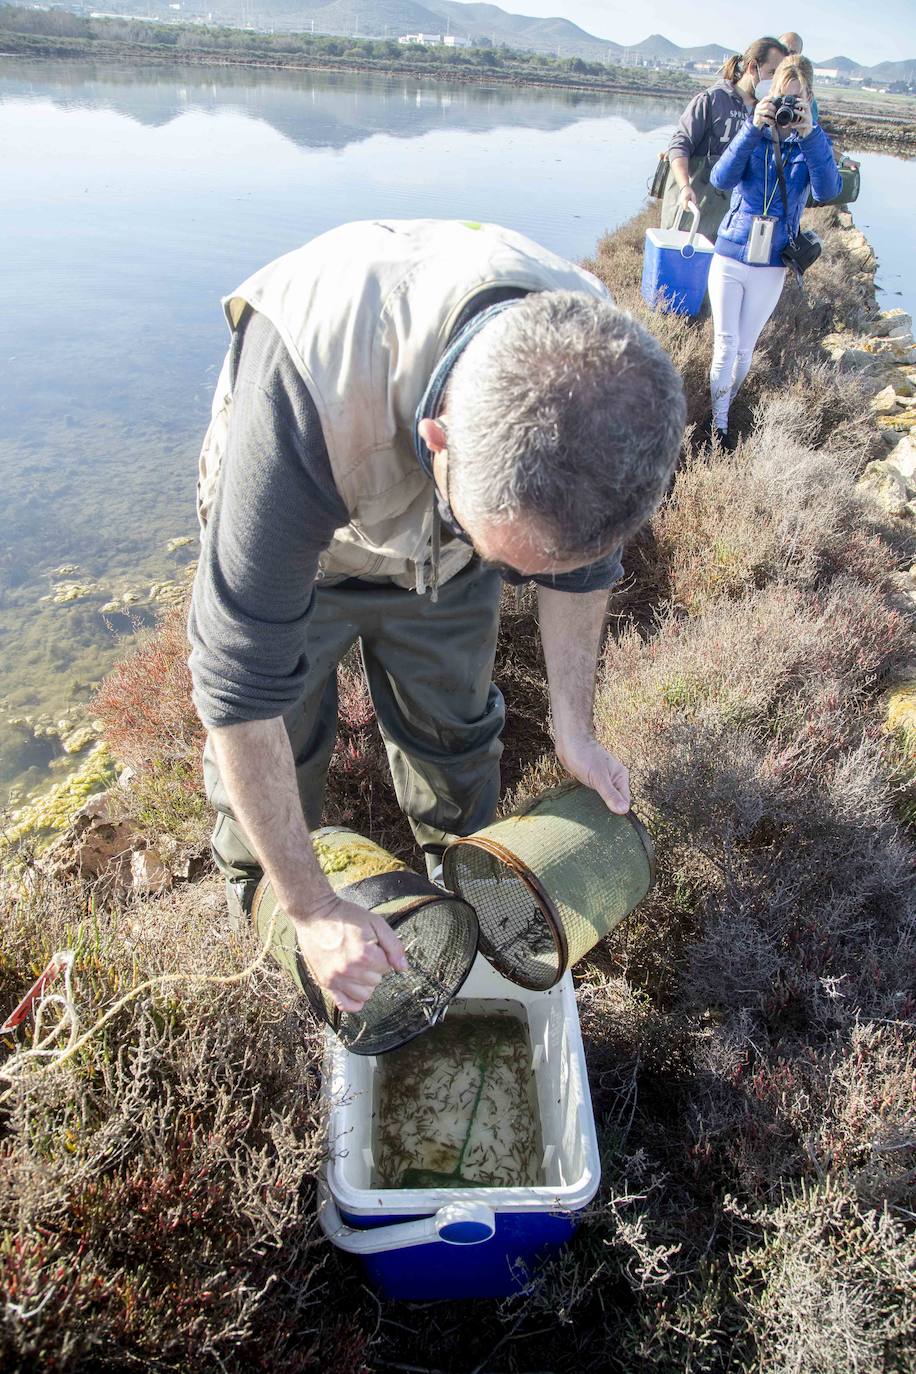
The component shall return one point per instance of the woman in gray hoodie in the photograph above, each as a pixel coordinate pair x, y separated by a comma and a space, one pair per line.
705, 130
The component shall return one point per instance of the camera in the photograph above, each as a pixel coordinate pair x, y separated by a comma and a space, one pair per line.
786, 110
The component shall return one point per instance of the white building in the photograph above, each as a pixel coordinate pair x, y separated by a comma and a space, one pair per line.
451, 41
421, 38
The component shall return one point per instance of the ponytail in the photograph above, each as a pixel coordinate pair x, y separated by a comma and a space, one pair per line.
758, 52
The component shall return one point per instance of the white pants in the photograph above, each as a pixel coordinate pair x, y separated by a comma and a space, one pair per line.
743, 298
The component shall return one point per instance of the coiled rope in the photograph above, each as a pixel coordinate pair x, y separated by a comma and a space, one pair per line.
43, 1047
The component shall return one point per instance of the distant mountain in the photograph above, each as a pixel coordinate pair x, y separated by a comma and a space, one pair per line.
894, 71
842, 64
523, 31
663, 50
464, 19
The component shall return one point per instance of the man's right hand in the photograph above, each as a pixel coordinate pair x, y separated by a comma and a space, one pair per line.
687, 197
348, 951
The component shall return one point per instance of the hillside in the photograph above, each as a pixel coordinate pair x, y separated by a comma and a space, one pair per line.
481, 23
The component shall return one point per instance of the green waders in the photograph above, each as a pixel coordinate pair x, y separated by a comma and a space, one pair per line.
429, 667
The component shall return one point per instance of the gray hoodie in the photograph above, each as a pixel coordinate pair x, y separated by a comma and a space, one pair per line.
709, 123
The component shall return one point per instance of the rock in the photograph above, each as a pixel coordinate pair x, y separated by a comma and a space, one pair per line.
129, 598
845, 220
885, 403
898, 351
148, 872
891, 324
125, 778
181, 543
886, 485
903, 457
860, 250
903, 421
69, 591
66, 570
901, 708
168, 593
858, 360
191, 867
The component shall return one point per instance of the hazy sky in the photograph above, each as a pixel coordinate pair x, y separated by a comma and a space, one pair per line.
830, 28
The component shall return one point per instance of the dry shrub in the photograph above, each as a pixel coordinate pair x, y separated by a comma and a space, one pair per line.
157, 1201
150, 725
145, 701
831, 1288
618, 263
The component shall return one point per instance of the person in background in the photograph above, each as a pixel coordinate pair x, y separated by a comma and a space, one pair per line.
744, 294
794, 46
707, 126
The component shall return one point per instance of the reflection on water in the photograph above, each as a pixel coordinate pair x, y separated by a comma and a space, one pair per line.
134, 200
323, 109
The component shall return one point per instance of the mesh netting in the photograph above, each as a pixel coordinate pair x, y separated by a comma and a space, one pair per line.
550, 882
438, 931
518, 933
440, 941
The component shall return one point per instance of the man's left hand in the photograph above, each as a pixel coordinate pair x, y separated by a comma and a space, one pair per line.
591, 764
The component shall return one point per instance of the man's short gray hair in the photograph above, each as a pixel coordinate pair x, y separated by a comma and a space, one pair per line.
566, 412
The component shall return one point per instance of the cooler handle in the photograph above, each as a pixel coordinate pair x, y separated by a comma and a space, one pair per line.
458, 1223
688, 249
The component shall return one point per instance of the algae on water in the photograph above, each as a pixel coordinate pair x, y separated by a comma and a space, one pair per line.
457, 1107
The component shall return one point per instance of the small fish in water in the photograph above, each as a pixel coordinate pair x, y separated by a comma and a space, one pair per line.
457, 1107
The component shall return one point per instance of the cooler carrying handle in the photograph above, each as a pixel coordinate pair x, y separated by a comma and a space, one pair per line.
458, 1223
688, 250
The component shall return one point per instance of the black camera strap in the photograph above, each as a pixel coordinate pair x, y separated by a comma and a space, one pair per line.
781, 178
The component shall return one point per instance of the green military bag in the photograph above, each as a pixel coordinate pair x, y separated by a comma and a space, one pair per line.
851, 177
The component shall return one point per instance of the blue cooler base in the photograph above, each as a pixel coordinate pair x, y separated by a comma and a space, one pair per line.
496, 1268
672, 282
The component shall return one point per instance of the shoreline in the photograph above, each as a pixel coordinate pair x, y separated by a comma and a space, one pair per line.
880, 130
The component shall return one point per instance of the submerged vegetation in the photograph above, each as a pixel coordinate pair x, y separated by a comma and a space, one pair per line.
749, 1030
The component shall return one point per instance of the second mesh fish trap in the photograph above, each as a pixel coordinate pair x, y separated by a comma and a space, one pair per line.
551, 881
437, 929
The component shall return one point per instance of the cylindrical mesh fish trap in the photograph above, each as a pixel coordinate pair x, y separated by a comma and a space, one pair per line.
549, 882
438, 931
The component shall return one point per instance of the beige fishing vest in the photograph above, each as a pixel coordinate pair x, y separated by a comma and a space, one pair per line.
365, 312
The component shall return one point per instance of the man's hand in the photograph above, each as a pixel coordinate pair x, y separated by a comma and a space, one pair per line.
348, 951
687, 197
592, 765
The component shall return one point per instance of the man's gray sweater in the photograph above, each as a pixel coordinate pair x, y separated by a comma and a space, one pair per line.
275, 511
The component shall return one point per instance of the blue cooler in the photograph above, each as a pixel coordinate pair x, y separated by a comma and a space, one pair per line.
675, 268
465, 1242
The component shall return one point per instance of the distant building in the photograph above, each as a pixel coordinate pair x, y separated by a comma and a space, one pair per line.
452, 41
826, 73
421, 38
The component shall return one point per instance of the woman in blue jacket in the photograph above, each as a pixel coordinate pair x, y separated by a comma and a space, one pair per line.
747, 272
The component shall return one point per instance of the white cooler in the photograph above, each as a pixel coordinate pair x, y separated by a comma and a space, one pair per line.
468, 1241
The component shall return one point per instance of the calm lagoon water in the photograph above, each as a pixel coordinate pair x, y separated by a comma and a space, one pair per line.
135, 199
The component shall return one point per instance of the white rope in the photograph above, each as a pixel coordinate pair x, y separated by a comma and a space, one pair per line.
44, 1048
